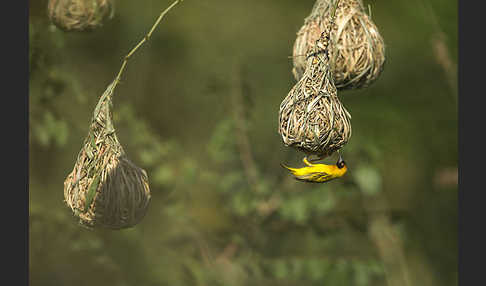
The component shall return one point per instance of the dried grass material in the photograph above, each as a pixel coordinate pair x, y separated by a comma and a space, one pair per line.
311, 117
105, 188
80, 15
359, 54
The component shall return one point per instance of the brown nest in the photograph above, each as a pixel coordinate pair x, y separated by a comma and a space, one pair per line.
80, 15
311, 117
105, 188
359, 50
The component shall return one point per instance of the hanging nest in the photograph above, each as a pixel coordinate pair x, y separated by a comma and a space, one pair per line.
80, 15
311, 117
359, 51
105, 188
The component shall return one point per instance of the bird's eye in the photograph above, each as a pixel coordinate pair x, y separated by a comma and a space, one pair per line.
340, 164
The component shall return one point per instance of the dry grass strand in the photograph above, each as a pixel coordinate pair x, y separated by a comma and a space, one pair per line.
311, 117
105, 188
80, 15
358, 56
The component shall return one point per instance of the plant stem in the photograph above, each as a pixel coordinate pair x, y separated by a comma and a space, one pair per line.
146, 38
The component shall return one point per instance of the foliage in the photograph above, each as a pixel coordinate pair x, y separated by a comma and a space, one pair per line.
213, 220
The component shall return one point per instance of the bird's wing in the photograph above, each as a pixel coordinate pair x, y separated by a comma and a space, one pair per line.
314, 176
323, 176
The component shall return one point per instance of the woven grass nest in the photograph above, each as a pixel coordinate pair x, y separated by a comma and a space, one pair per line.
359, 50
105, 188
311, 117
80, 15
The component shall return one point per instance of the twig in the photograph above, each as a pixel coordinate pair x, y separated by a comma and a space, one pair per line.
441, 51
228, 252
387, 241
242, 141
390, 249
333, 11
146, 38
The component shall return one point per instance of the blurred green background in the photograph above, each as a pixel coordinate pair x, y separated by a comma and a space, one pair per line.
198, 110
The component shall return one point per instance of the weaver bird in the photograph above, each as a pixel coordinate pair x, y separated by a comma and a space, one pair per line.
318, 173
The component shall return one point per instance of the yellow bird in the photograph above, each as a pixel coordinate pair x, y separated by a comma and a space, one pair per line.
318, 173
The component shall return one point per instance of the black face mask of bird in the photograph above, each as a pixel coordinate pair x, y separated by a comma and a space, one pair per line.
340, 163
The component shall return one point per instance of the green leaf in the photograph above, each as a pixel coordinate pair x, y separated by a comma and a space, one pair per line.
368, 179
92, 191
221, 147
62, 132
295, 209
42, 135
298, 266
280, 269
361, 274
164, 175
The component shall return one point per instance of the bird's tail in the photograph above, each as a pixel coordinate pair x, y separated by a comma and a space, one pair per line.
292, 170
283, 166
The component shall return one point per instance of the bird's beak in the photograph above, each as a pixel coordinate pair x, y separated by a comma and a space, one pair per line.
340, 159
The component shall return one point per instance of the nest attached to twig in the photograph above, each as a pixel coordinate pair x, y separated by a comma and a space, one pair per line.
105, 188
359, 50
80, 15
311, 117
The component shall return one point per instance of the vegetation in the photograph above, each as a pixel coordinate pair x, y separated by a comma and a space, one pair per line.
197, 108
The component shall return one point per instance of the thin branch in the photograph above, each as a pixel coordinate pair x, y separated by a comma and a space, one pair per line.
440, 49
146, 38
387, 241
390, 249
242, 141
